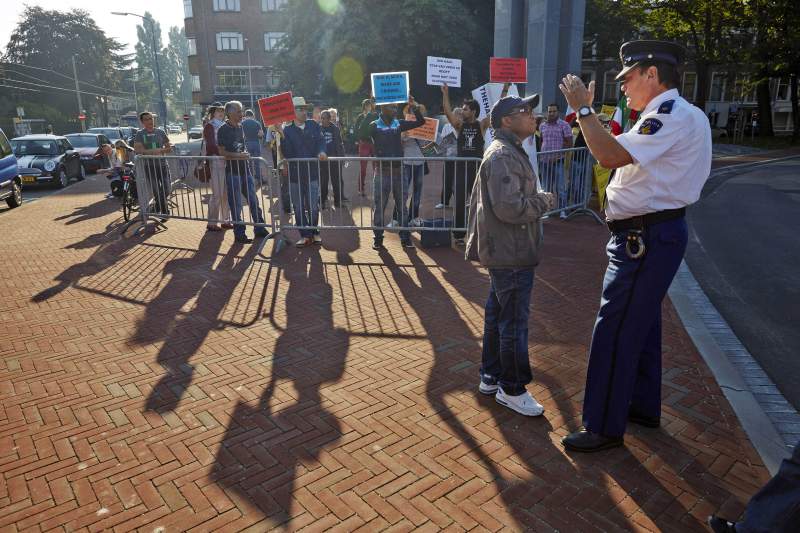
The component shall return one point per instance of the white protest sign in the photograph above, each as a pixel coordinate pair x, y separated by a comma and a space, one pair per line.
443, 70
487, 95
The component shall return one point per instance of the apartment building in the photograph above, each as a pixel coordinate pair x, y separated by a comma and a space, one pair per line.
232, 48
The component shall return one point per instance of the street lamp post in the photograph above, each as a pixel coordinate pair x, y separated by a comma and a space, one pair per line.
162, 102
249, 73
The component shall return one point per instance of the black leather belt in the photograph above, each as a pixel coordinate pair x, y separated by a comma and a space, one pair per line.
644, 221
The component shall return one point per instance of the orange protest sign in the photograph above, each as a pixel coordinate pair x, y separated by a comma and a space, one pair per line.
508, 69
276, 109
426, 132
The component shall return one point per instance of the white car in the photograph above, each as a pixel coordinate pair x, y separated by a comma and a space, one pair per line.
196, 132
174, 128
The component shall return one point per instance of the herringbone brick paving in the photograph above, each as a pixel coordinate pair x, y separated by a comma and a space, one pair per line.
179, 382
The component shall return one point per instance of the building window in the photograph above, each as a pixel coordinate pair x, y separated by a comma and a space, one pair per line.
232, 79
272, 40
195, 83
230, 41
273, 5
689, 86
782, 89
273, 79
587, 77
610, 87
744, 90
192, 46
718, 82
226, 5
187, 9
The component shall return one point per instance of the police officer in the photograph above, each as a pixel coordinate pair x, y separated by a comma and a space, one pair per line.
660, 167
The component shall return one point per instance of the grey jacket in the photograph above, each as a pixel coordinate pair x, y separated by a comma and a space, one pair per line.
505, 207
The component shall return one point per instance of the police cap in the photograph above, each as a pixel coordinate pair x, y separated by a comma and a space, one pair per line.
634, 52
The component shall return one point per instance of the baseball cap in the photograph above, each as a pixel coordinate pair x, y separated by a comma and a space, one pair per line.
507, 104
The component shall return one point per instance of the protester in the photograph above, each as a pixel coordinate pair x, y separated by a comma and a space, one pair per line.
556, 135
331, 170
365, 146
386, 132
154, 141
661, 167
303, 139
505, 236
253, 137
413, 171
276, 136
470, 144
238, 181
218, 208
448, 140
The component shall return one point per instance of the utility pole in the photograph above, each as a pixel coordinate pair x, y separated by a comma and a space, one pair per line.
78, 92
249, 74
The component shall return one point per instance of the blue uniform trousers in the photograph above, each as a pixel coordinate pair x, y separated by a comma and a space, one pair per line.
625, 356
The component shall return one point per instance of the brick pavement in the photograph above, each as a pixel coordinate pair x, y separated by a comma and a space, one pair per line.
180, 382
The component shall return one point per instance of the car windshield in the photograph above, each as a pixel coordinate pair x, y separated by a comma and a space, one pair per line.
83, 141
111, 133
22, 148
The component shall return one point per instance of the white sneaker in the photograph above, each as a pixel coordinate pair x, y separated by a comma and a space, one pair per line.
392, 224
563, 215
487, 389
524, 404
439, 206
317, 238
416, 222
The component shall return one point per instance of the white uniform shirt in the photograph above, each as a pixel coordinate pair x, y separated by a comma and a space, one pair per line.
671, 149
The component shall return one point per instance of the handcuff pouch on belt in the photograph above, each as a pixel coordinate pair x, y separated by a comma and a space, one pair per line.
634, 244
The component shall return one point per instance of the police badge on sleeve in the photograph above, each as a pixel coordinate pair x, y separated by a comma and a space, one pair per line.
650, 126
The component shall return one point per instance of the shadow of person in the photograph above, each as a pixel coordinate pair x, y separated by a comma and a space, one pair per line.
98, 209
111, 248
214, 287
267, 446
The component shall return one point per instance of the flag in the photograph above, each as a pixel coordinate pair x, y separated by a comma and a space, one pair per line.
623, 117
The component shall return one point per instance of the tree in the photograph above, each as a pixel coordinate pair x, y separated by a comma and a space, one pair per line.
147, 84
608, 25
329, 53
46, 39
177, 68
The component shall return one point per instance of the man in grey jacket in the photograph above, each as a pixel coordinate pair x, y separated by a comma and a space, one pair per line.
505, 235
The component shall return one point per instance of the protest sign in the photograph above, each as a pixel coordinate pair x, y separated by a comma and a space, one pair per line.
508, 69
442, 70
276, 109
390, 87
487, 95
426, 132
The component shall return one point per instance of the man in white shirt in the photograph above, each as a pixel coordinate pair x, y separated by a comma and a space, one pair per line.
660, 167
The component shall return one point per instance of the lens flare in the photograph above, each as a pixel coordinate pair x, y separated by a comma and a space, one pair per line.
331, 7
348, 75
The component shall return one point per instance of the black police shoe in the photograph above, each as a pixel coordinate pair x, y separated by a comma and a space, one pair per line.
586, 441
720, 525
378, 245
643, 420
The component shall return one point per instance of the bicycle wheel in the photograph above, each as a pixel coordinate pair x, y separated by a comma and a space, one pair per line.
127, 205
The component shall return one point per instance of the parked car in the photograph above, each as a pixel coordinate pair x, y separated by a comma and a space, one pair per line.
88, 146
113, 133
196, 132
174, 128
52, 155
10, 181
129, 133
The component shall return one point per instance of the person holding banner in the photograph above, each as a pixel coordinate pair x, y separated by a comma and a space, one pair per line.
332, 171
365, 146
385, 133
470, 143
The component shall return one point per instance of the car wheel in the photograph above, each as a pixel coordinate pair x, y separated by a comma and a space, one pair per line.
15, 200
82, 173
63, 179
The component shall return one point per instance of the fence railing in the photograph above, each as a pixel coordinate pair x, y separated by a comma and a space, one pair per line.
352, 193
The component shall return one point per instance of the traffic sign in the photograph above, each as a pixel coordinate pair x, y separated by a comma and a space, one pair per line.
185, 117
81, 117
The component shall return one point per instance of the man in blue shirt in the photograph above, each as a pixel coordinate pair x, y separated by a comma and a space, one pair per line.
303, 139
385, 133
238, 180
253, 134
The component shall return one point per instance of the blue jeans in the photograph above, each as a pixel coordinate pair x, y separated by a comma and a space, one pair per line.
624, 371
412, 175
382, 186
237, 185
553, 180
504, 359
305, 201
776, 507
254, 149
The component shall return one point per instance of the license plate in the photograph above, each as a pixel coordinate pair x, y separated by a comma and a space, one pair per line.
28, 179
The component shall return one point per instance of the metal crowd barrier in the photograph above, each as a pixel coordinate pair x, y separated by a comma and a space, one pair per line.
396, 194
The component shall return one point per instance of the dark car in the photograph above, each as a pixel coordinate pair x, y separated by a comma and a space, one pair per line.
10, 181
113, 133
129, 133
88, 145
51, 155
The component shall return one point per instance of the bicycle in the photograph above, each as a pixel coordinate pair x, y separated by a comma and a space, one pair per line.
130, 198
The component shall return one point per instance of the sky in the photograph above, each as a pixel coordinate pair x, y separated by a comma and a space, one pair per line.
166, 12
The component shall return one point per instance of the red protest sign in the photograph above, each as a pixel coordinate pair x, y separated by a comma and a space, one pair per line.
508, 69
276, 109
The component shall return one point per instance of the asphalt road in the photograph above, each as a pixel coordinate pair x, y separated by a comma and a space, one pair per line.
744, 251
